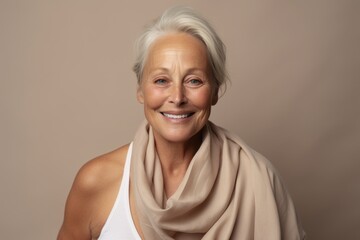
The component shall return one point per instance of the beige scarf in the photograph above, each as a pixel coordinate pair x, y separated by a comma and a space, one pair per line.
228, 192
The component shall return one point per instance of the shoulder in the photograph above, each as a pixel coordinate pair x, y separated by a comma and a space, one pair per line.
96, 174
267, 180
92, 195
265, 184
261, 168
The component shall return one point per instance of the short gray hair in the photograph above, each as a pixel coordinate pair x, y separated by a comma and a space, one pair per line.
184, 19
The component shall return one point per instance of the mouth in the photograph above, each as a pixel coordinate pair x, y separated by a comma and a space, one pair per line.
177, 116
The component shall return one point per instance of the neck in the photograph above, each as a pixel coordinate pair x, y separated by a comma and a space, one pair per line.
175, 159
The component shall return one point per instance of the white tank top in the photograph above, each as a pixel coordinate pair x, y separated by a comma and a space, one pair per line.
120, 224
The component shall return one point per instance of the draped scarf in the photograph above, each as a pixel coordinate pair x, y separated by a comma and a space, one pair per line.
229, 191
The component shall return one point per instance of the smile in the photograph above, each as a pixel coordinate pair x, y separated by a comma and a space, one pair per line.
177, 116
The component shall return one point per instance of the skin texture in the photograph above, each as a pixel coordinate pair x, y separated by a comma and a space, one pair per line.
177, 93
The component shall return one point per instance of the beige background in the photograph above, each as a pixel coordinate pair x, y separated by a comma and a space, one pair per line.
68, 95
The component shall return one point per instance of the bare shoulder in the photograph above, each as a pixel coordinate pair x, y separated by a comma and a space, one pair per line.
101, 171
92, 195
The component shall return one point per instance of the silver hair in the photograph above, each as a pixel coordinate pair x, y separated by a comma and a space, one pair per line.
184, 19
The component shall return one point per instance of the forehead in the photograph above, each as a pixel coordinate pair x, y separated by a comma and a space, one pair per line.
181, 48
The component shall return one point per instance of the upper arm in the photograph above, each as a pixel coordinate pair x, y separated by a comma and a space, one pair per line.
80, 205
92, 196
291, 227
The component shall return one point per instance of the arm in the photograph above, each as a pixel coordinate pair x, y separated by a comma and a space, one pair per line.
289, 224
80, 206
92, 196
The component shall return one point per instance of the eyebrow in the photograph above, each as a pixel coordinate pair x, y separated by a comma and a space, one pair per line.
166, 70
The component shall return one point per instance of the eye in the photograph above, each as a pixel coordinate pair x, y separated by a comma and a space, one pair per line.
160, 81
195, 82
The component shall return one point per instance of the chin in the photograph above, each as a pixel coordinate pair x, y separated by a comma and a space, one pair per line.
178, 135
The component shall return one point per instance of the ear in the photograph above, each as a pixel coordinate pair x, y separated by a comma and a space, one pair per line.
215, 96
140, 94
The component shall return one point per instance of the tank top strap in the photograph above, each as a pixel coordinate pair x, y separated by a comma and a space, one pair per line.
120, 224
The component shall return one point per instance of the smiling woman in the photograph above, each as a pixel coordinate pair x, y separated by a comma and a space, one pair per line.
182, 177
176, 88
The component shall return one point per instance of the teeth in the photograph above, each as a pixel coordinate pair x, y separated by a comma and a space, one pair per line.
176, 116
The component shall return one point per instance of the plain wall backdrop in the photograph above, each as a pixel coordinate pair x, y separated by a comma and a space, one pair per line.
67, 94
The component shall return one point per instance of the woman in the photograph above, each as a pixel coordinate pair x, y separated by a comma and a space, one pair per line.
182, 177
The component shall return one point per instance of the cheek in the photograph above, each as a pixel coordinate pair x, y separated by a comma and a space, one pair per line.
202, 98
153, 98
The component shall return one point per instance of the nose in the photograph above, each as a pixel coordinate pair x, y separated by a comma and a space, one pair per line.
177, 95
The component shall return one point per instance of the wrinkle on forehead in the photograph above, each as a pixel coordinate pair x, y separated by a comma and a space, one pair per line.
177, 52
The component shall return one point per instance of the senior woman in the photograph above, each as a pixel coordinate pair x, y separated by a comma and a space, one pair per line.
182, 177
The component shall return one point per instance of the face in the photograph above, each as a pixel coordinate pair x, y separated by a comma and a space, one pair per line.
176, 87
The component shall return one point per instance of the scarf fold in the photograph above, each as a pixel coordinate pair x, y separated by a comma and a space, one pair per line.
228, 192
